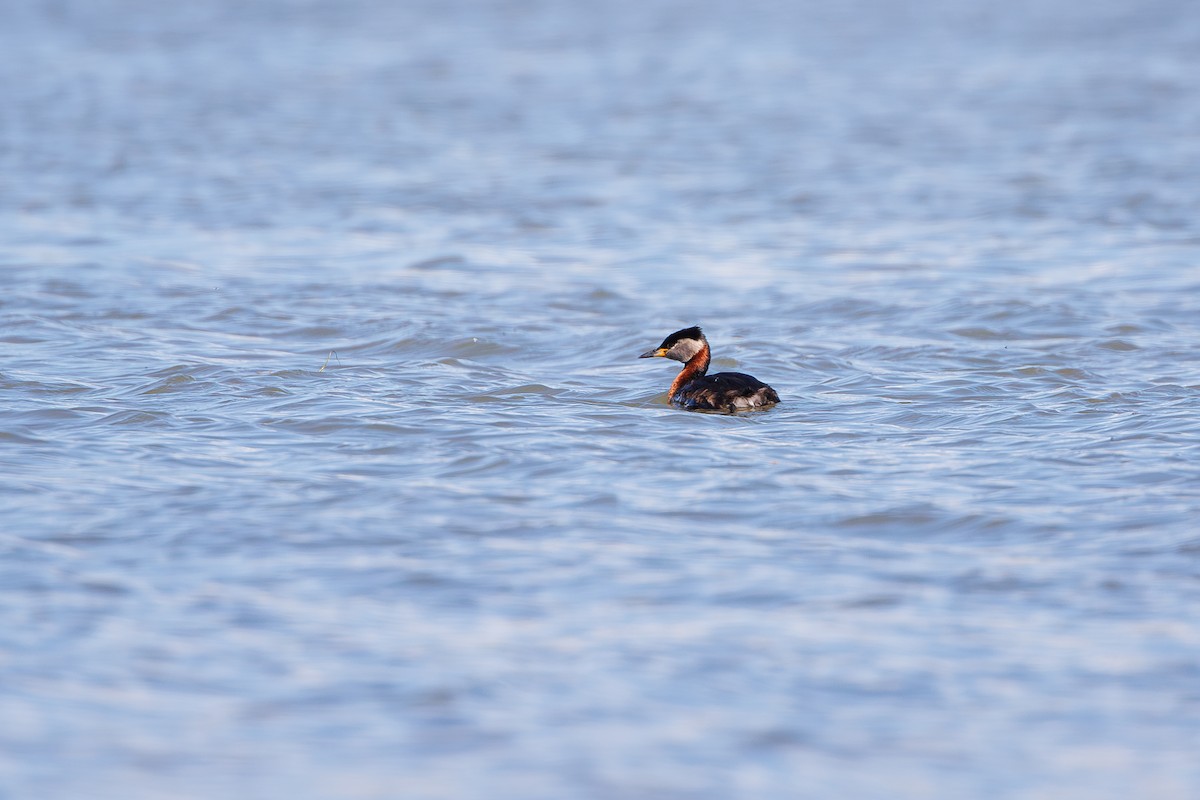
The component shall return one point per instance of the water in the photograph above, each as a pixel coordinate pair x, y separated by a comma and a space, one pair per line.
329, 469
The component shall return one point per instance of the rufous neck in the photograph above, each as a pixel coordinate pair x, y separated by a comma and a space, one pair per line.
696, 366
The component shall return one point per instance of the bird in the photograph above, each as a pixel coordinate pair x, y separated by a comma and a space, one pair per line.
694, 390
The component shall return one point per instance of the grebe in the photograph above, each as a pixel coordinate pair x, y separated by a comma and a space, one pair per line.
692, 389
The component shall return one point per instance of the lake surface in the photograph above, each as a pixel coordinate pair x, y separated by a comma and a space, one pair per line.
328, 468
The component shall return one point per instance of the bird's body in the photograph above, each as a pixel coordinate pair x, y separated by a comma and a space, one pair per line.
696, 390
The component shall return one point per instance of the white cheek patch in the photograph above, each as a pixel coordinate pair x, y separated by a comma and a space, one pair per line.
684, 349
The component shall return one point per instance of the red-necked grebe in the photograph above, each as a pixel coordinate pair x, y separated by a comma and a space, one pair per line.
692, 389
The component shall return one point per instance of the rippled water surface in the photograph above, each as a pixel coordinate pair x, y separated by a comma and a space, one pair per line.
329, 469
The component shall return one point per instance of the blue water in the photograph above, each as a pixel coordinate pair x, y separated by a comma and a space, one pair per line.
328, 468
